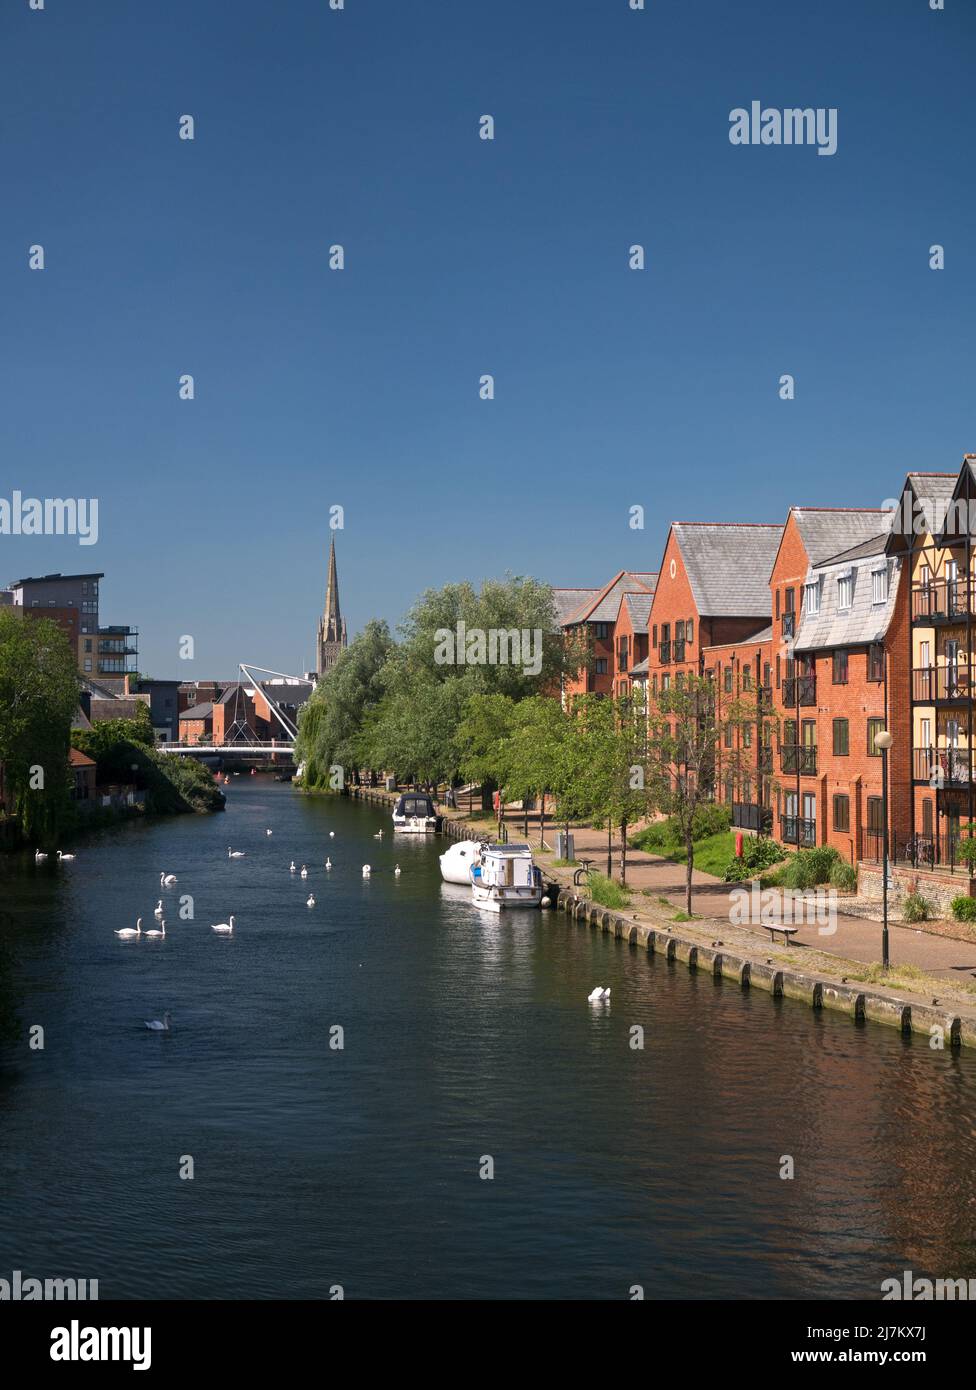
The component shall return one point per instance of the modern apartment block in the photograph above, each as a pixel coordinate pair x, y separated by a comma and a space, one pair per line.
72, 601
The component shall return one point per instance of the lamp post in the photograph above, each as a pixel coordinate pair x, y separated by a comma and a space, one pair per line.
883, 740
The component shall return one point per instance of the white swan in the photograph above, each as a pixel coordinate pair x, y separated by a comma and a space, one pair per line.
155, 1026
366, 871
378, 835
38, 856
269, 832
154, 932
331, 834
64, 856
396, 871
328, 863
304, 872
310, 901
235, 853
292, 868
597, 994
158, 909
225, 927
167, 879
131, 931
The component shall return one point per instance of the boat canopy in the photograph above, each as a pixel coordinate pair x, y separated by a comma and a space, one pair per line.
414, 804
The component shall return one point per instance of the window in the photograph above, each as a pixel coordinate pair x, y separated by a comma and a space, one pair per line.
840, 666
88, 645
654, 685
88, 664
746, 678
875, 814
689, 631
84, 586
747, 735
600, 666
601, 630
842, 813
777, 605
728, 680
789, 599
842, 738
728, 735
876, 662
927, 822
874, 728
666, 681
879, 586
654, 642
767, 673
845, 591
811, 598
777, 670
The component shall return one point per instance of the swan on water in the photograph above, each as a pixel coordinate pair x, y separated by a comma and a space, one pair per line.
38, 856
235, 853
378, 835
154, 1025
158, 909
225, 927
167, 879
331, 834
304, 872
310, 901
131, 931
269, 832
291, 867
153, 932
64, 856
366, 871
328, 863
597, 994
396, 871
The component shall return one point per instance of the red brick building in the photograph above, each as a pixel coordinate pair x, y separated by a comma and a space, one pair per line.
591, 620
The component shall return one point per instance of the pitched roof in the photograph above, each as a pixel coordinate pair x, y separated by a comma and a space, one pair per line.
875, 545
728, 565
639, 609
568, 600
80, 719
77, 759
765, 636
827, 531
865, 621
604, 606
204, 711
638, 670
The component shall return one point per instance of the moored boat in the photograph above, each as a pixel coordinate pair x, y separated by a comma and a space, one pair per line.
506, 876
414, 813
456, 861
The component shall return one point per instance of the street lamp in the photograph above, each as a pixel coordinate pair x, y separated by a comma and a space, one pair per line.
883, 740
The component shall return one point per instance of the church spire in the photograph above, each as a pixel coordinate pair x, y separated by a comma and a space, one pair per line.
332, 628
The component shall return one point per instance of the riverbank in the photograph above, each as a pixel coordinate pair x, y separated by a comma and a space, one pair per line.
911, 999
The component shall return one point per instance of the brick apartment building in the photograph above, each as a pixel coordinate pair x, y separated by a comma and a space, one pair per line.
589, 617
72, 601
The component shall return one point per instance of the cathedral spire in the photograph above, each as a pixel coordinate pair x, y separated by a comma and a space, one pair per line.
332, 628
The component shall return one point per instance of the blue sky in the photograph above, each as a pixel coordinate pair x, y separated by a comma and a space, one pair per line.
463, 257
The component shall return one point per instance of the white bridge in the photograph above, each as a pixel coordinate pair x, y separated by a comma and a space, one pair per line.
281, 693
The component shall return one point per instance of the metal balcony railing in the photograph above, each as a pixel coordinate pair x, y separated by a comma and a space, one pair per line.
664, 653
798, 757
788, 624
749, 815
944, 600
796, 831
932, 683
949, 767
799, 690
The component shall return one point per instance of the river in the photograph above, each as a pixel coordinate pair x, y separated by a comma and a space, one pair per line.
467, 1037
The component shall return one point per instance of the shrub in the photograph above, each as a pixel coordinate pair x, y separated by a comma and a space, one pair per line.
964, 909
844, 877
758, 852
604, 891
915, 908
710, 819
966, 851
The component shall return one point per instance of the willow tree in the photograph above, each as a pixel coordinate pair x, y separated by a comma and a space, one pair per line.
332, 723
39, 690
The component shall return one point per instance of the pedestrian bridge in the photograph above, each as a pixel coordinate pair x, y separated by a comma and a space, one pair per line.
261, 697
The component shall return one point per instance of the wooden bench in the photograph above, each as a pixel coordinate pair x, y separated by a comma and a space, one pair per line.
788, 932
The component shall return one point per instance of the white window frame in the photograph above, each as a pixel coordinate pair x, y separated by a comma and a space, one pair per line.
811, 598
879, 582
847, 579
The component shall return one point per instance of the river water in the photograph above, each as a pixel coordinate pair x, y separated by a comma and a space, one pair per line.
467, 1039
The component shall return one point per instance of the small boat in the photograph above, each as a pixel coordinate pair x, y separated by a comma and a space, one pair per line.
456, 861
415, 814
506, 876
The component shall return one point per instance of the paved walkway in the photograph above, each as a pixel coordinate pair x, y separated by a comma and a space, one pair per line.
854, 938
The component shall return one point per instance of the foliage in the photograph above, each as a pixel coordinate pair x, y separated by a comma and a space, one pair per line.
332, 723
38, 698
712, 818
604, 891
758, 852
844, 877
966, 851
808, 867
123, 751
964, 908
916, 908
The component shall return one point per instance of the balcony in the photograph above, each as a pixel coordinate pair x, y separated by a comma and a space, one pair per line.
788, 625
799, 690
795, 831
748, 815
664, 653
764, 696
919, 852
944, 601
932, 684
679, 649
798, 757
765, 761
943, 767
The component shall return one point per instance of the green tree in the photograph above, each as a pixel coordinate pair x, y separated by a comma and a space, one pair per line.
332, 723
607, 775
39, 690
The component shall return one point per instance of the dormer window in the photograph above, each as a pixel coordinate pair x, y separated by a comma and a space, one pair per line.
811, 598
879, 586
845, 591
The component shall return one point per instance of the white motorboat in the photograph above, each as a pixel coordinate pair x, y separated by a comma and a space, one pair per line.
414, 813
506, 876
457, 861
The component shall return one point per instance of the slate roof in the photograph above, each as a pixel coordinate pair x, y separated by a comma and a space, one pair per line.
198, 711
568, 600
874, 546
826, 531
639, 609
934, 492
728, 565
865, 621
639, 670
765, 636
603, 605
